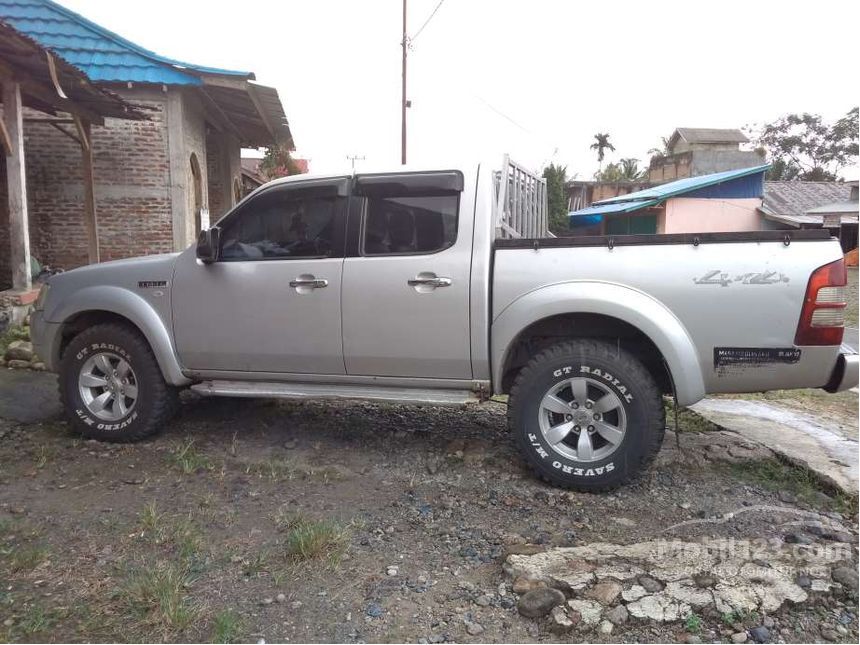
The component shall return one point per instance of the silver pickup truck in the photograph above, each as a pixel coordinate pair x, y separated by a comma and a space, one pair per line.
444, 287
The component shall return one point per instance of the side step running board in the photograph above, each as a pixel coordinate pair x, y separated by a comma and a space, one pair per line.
339, 392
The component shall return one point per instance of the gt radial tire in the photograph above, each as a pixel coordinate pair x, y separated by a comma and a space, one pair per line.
592, 387
112, 366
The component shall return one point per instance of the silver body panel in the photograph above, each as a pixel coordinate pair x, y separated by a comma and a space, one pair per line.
662, 291
370, 334
245, 316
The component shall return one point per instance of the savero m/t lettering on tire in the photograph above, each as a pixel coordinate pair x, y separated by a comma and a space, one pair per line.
586, 415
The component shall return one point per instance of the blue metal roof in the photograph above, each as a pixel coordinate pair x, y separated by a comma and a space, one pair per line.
101, 54
608, 209
687, 185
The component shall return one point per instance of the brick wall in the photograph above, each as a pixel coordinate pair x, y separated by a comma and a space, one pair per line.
131, 190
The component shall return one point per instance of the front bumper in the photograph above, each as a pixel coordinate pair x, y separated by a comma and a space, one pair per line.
46, 339
846, 373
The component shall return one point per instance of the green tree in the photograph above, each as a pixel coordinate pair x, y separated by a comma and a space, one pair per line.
804, 146
662, 151
601, 144
278, 162
626, 170
556, 193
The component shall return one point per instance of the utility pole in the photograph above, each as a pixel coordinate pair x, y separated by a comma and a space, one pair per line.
354, 158
403, 94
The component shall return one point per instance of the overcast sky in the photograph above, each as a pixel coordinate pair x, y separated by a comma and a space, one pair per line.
536, 79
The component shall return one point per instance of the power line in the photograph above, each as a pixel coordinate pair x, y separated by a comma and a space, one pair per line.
426, 22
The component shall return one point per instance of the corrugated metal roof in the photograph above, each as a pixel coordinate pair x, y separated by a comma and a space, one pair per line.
796, 198
25, 56
608, 209
686, 185
837, 208
101, 54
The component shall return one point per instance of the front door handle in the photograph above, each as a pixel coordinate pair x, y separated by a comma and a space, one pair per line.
308, 282
429, 280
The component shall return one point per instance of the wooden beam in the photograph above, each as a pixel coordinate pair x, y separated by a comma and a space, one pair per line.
16, 178
262, 111
224, 120
5, 139
90, 215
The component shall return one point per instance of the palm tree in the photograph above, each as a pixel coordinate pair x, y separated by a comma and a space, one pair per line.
630, 170
601, 144
662, 151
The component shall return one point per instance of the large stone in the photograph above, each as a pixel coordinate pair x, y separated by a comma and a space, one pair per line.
845, 576
617, 615
539, 602
679, 575
760, 634
19, 350
524, 585
589, 610
604, 592
560, 621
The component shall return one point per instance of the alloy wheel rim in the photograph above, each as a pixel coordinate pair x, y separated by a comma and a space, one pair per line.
108, 386
582, 419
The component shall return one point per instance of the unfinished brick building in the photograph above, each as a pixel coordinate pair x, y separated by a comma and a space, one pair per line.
157, 180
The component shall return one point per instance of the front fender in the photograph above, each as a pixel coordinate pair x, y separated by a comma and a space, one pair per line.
634, 307
130, 305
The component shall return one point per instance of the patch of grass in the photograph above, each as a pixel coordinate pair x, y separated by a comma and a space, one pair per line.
254, 566
693, 623
44, 455
777, 475
157, 594
10, 335
226, 627
153, 521
308, 539
287, 470
25, 558
188, 459
187, 538
851, 311
688, 421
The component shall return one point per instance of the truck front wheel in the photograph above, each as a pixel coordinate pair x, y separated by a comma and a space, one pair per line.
586, 415
111, 386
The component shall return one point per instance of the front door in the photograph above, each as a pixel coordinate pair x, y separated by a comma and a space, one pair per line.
406, 282
271, 303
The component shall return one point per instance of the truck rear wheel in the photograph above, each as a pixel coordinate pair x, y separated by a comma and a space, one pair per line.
586, 415
111, 386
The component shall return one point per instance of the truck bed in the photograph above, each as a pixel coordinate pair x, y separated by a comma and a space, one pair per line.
736, 297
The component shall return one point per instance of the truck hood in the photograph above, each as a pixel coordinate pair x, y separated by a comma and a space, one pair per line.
126, 272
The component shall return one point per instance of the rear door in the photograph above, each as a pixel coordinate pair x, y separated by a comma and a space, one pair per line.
405, 295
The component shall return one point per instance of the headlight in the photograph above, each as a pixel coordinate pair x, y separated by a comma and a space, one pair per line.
39, 305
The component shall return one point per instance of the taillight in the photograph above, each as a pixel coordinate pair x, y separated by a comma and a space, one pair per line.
822, 320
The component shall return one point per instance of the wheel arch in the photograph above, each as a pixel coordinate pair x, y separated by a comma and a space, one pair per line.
96, 305
569, 310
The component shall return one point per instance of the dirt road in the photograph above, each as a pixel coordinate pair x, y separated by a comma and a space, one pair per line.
346, 523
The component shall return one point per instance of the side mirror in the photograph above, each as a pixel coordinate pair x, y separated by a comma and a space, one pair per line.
209, 245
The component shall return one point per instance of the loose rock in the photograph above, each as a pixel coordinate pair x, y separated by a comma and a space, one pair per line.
539, 602
604, 592
524, 585
845, 576
20, 350
651, 585
617, 615
606, 627
560, 621
739, 637
760, 634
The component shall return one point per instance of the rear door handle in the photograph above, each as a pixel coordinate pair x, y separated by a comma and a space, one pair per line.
434, 281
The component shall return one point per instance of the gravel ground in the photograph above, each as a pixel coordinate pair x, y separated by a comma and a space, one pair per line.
249, 520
